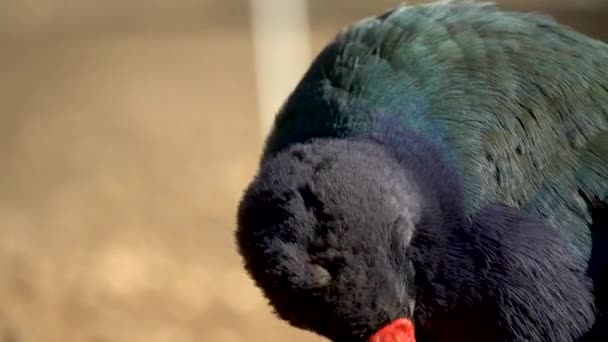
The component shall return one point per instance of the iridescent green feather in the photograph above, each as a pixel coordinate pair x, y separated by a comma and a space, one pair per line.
521, 101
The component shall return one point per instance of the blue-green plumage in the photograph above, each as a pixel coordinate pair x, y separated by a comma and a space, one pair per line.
520, 101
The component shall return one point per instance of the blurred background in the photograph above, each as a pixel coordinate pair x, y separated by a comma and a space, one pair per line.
128, 130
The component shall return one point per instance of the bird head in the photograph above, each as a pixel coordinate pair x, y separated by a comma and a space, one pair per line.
324, 230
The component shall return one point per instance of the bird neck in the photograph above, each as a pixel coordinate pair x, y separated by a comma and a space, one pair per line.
443, 269
429, 158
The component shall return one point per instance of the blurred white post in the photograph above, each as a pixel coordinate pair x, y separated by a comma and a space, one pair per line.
281, 37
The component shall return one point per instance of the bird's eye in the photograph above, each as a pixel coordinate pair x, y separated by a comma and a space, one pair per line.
321, 275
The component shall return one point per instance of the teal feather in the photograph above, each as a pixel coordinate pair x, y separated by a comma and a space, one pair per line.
517, 101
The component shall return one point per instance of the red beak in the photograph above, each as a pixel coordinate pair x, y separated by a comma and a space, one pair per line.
400, 330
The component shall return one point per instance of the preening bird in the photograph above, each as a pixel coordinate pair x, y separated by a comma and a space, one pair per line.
440, 173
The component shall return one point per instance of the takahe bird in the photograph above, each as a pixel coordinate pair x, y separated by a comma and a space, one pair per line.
440, 174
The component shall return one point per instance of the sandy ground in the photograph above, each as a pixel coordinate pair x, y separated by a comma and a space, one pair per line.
123, 158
